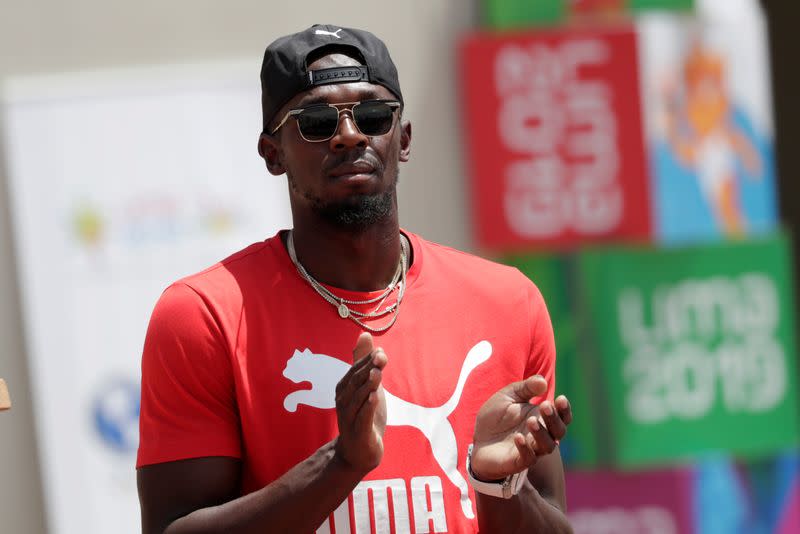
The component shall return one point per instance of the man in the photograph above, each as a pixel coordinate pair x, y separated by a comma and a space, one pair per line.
402, 342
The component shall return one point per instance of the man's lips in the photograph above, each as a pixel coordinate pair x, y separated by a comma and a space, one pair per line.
352, 169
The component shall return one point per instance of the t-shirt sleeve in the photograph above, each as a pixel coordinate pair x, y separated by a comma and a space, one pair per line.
542, 360
188, 404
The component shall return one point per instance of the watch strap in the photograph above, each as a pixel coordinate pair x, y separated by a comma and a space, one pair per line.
504, 489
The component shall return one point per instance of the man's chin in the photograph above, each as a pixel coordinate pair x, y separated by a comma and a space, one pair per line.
358, 211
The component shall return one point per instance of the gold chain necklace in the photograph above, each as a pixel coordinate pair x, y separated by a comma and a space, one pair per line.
341, 304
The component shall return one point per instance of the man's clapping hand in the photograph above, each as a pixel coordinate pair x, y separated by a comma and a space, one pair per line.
511, 433
361, 408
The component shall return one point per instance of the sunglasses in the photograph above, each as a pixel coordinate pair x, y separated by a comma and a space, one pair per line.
319, 122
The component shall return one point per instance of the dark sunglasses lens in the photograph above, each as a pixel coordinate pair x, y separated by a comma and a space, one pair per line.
318, 123
373, 118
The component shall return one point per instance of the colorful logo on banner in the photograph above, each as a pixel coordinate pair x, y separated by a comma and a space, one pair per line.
151, 219
115, 414
699, 352
518, 13
555, 139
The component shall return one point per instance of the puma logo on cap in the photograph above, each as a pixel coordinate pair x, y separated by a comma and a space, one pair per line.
325, 32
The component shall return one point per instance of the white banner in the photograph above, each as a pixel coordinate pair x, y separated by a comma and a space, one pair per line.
120, 182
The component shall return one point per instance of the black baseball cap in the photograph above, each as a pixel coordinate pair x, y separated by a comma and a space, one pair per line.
284, 71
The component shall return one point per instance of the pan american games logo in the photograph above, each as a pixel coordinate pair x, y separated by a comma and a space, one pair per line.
115, 415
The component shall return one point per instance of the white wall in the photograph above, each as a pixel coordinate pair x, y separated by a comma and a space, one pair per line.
38, 36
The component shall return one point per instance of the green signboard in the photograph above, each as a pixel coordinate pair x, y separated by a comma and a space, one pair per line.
694, 350
668, 355
521, 13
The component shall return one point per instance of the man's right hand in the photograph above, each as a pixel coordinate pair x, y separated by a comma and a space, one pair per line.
361, 408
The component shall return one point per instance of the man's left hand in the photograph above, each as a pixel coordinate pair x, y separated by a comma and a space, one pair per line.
511, 433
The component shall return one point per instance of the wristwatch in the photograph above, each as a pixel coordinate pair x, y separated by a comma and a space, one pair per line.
504, 488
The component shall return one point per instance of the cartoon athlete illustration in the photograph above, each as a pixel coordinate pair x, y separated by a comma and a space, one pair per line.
704, 137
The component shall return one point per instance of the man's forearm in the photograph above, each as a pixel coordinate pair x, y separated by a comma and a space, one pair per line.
297, 502
527, 513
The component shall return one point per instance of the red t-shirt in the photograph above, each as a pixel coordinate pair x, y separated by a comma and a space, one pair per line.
242, 360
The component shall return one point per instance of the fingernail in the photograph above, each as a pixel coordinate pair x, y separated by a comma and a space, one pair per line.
547, 409
535, 425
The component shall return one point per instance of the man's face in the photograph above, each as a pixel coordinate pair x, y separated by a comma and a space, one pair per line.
348, 180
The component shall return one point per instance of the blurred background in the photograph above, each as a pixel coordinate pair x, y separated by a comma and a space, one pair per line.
633, 157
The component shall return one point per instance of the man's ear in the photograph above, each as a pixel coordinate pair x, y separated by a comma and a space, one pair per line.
405, 141
269, 149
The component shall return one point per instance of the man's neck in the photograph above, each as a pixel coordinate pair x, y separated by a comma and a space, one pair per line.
356, 260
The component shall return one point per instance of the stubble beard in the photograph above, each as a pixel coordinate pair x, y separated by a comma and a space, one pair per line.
355, 213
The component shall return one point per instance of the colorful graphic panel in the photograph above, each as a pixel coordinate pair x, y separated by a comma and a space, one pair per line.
554, 138
708, 116
605, 502
696, 348
761, 495
521, 13
717, 495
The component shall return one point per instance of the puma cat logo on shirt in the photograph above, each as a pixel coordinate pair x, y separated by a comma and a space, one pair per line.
324, 372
